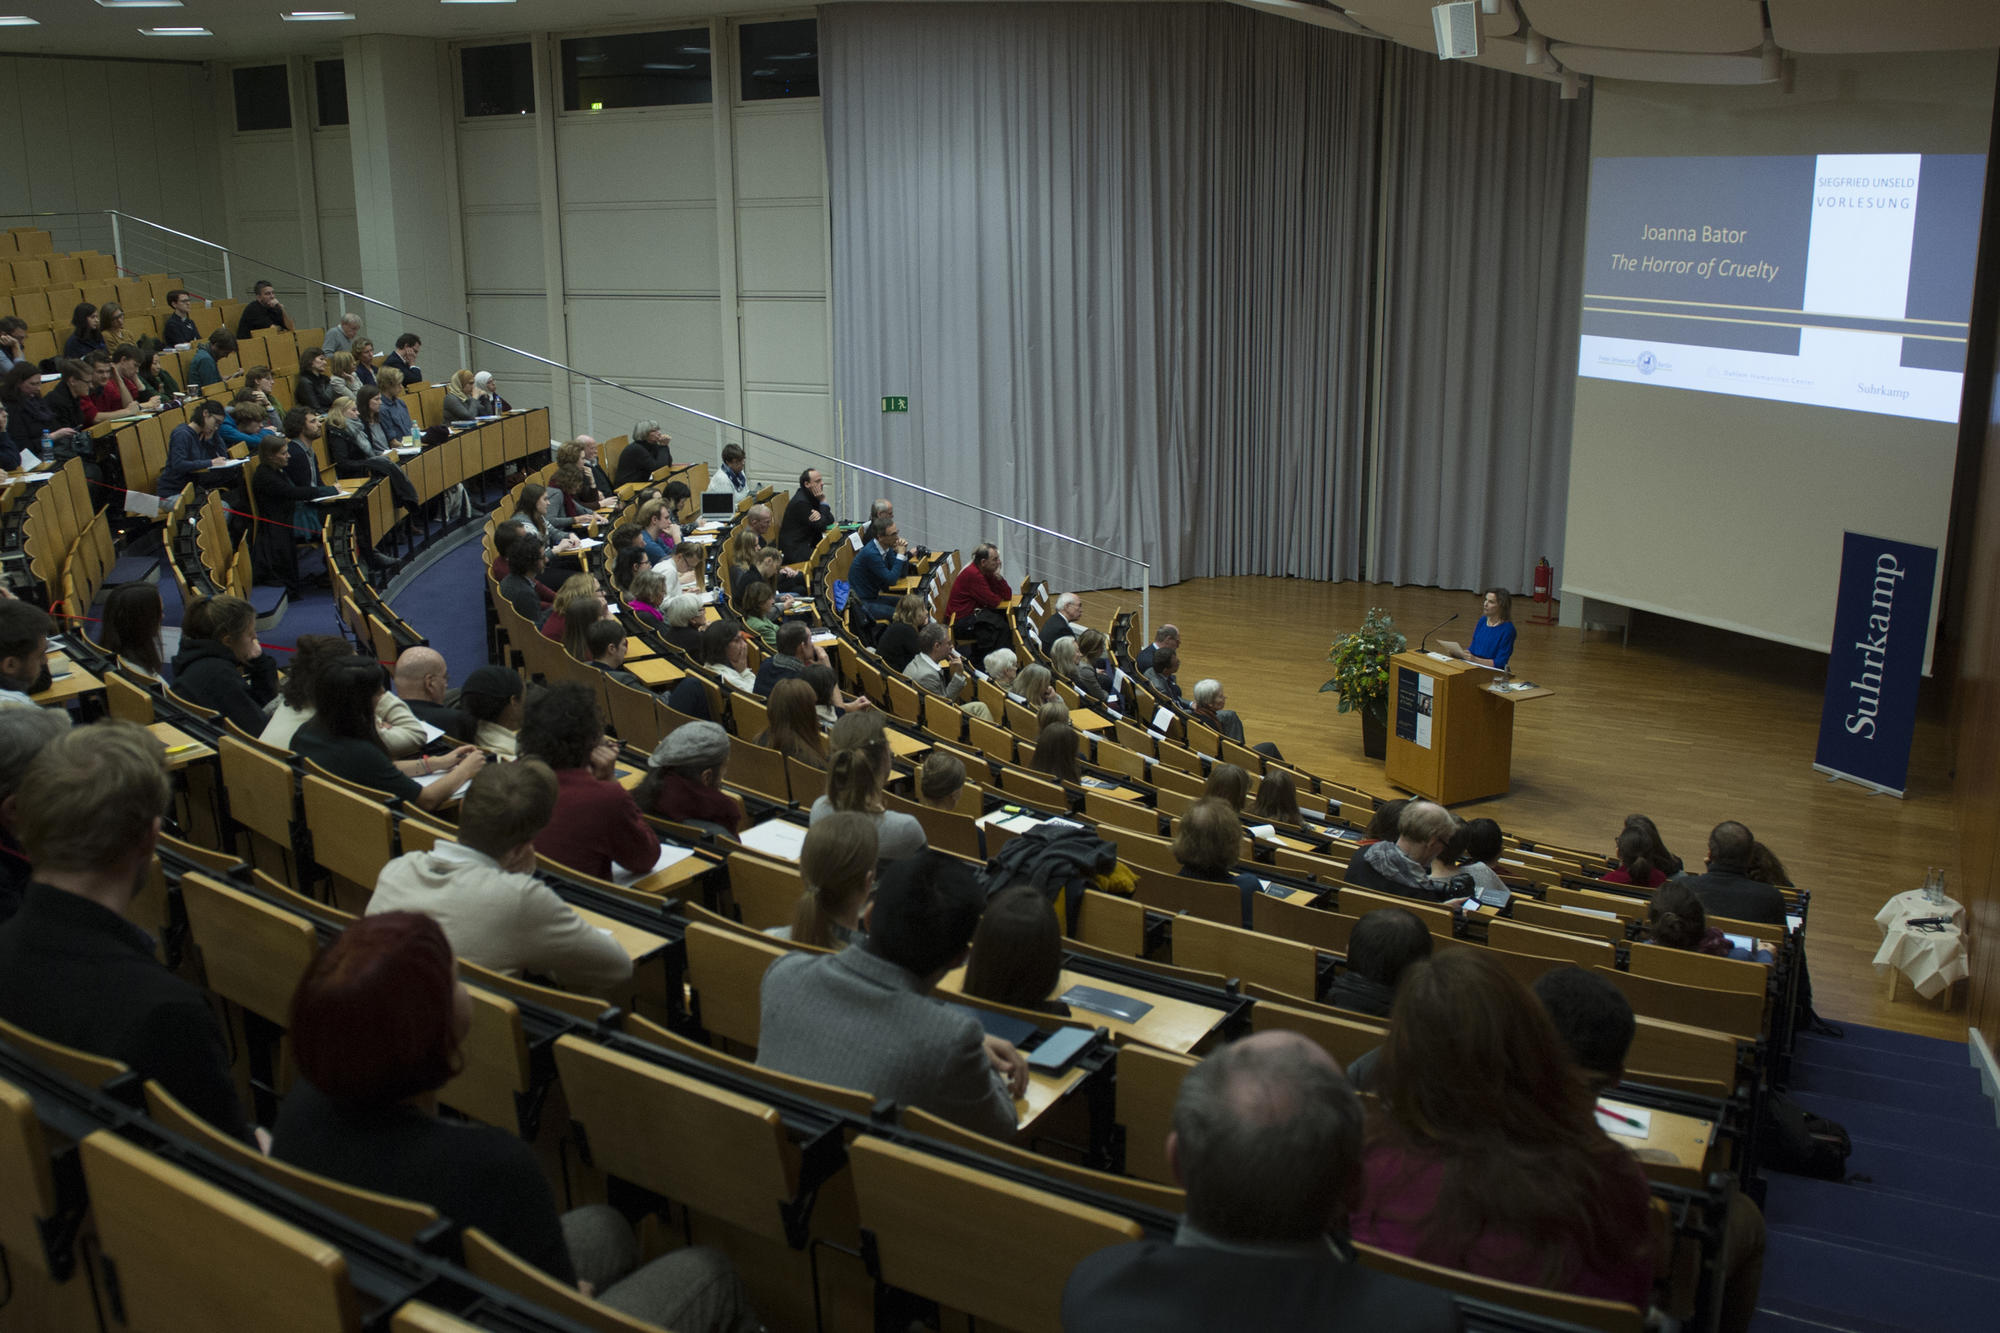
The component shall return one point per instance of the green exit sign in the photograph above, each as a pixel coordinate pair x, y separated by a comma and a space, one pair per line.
900, 403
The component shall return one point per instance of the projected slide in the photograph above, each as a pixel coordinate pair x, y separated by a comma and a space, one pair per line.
1841, 280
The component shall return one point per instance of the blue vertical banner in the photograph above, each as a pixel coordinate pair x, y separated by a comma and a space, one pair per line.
1880, 623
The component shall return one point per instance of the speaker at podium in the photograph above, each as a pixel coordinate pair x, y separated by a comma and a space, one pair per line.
1451, 727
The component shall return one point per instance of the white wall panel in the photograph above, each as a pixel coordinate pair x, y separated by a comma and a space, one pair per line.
779, 152
669, 250
780, 250
632, 157
496, 161
665, 338
44, 124
15, 196
784, 344
518, 321
503, 249
801, 418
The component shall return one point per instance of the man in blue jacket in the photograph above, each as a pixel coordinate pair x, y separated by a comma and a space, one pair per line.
881, 561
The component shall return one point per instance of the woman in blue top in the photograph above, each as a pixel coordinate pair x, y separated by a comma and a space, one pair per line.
1493, 638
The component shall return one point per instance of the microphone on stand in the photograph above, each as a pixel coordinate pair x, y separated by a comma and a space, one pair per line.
1434, 629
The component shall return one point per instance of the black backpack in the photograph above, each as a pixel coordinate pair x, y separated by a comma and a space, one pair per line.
1801, 1143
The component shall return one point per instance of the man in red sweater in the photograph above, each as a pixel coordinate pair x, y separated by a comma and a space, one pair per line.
978, 587
596, 823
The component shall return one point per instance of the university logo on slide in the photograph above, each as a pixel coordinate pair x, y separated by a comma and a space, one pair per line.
1648, 363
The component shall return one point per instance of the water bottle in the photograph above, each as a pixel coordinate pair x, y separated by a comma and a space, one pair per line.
48, 447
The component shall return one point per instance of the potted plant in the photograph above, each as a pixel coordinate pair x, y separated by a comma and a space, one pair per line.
1361, 676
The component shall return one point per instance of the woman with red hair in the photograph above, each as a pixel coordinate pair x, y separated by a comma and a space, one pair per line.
376, 1025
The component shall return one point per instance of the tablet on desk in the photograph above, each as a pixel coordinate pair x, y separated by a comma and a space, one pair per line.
1450, 649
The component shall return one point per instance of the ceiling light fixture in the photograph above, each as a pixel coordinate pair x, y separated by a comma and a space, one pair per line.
475, 2
317, 16
1538, 49
18, 21
175, 32
1571, 84
139, 4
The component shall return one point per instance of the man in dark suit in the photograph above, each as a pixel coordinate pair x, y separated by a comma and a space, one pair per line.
1727, 889
1267, 1142
408, 347
807, 518
882, 559
73, 969
1069, 610
421, 678
1167, 636
648, 451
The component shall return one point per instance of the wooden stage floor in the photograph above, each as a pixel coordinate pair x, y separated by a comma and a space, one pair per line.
1689, 725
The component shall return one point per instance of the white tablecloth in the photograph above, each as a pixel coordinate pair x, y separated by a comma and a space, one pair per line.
1931, 959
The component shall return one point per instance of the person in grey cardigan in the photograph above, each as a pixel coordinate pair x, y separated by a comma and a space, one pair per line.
865, 1018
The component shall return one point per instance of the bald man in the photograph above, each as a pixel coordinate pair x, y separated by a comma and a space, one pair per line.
1266, 1140
593, 464
421, 680
759, 519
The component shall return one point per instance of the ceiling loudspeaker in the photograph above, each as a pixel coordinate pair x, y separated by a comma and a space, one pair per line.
1457, 27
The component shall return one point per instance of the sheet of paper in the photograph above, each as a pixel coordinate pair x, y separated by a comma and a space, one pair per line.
825, 636
670, 855
1262, 830
431, 733
138, 502
426, 779
1590, 911
775, 837
28, 460
35, 476
1624, 1120
1434, 655
224, 464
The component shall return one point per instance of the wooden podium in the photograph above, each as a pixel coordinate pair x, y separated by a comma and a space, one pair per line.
1450, 737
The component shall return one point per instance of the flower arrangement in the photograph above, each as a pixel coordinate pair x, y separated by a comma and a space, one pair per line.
1361, 665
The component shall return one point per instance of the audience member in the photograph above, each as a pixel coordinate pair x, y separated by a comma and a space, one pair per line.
1404, 866
221, 666
837, 867
154, 378
684, 780
194, 445
1032, 684
1675, 919
882, 560
340, 338
24, 652
1656, 850
1635, 862
1208, 844
313, 386
794, 653
865, 1018
940, 780
1209, 698
131, 630
263, 312
178, 328
1383, 824
578, 605
1475, 849
658, 532
733, 666
807, 518
526, 557
732, 479
421, 681
898, 641
459, 409
1228, 782
682, 613
1067, 664
596, 824
646, 454
13, 332
1727, 889
1485, 1156
1380, 949
30, 415
1017, 952
980, 589
606, 642
1277, 799
647, 595
1595, 1023
936, 666
73, 969
494, 698
1002, 666
1161, 677
792, 715
1267, 1141
403, 360
376, 1027
1765, 867
392, 409
1055, 753
856, 775
85, 334
342, 738
23, 734
1166, 636
206, 366
482, 891
1069, 610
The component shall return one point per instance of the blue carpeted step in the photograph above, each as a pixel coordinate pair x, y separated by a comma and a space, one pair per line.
1914, 1168
1977, 1143
1891, 1223
1882, 1039
1782, 1316
1952, 1069
1964, 1102
1862, 1284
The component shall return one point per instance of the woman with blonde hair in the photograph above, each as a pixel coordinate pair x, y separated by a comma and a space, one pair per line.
340, 369
1033, 685
860, 768
837, 866
737, 554
459, 409
578, 602
792, 713
898, 643
1066, 661
647, 592
393, 412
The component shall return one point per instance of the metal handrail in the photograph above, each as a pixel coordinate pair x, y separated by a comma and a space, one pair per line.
265, 266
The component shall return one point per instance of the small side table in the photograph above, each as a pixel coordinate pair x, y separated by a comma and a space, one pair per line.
1932, 959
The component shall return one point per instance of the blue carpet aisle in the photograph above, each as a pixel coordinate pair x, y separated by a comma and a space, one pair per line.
446, 603
1911, 1240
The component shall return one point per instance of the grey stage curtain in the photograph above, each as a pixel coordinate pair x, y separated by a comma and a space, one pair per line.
1119, 258
1483, 182
1167, 277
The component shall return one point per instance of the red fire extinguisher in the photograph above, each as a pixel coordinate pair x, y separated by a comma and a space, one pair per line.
1545, 579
